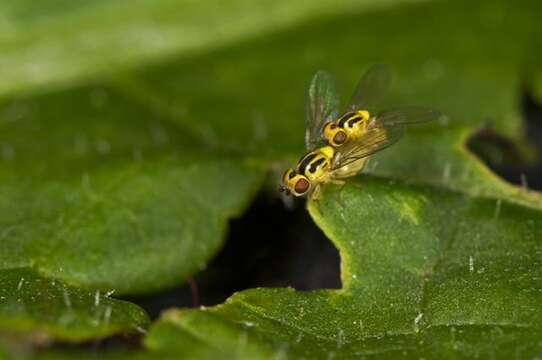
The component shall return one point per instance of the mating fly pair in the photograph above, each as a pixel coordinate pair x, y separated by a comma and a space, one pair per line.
340, 146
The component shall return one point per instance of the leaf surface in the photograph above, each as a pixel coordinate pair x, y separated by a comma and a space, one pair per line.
37, 308
426, 273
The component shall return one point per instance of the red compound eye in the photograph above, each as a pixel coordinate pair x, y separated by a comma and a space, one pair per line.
301, 186
339, 138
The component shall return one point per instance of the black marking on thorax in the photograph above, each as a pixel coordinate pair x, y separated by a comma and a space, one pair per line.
350, 119
343, 119
305, 161
354, 120
314, 166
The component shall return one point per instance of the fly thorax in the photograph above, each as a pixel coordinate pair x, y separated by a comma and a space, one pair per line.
316, 164
356, 126
327, 151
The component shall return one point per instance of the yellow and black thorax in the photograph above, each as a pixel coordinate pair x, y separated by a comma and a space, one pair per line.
354, 121
316, 163
349, 126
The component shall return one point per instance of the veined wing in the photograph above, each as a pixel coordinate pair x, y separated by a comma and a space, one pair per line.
371, 89
321, 106
372, 141
406, 115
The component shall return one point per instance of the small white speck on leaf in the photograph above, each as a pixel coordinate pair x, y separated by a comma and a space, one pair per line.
20, 285
498, 208
417, 322
107, 314
340, 338
67, 299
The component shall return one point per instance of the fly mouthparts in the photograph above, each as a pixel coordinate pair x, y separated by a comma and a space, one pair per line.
284, 189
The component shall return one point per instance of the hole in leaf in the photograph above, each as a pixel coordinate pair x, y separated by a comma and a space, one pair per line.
269, 246
503, 156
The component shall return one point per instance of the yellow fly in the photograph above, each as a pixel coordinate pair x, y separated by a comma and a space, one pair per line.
339, 146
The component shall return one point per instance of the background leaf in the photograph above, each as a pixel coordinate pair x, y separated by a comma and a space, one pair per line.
63, 41
101, 192
426, 273
38, 308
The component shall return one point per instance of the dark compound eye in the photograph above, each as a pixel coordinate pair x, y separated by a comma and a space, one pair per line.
333, 126
301, 186
339, 138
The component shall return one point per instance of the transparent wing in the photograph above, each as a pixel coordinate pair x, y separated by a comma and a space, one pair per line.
321, 105
385, 130
371, 89
406, 115
374, 140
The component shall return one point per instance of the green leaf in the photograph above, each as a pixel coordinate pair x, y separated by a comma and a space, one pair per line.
426, 272
38, 308
65, 41
99, 191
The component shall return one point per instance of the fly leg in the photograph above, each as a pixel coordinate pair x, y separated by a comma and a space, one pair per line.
315, 194
315, 197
